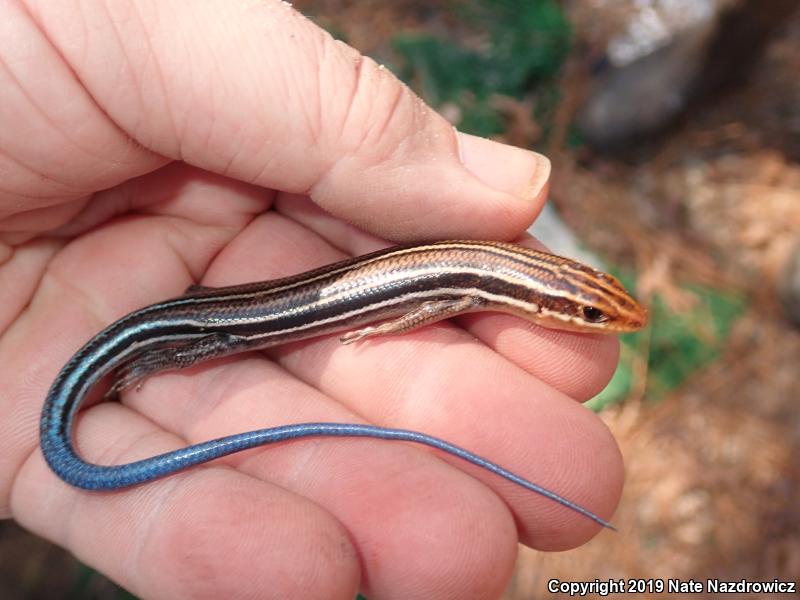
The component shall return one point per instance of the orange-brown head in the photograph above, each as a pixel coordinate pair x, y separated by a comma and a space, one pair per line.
581, 298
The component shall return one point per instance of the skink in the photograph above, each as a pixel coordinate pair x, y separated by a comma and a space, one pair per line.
399, 288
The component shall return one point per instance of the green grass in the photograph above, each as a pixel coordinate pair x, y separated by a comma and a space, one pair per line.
524, 45
89, 583
679, 344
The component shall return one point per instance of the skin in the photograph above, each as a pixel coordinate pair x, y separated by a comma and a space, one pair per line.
147, 146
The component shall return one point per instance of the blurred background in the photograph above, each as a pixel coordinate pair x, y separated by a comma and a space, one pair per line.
674, 131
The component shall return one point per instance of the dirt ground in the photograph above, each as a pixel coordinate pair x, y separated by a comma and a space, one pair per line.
712, 473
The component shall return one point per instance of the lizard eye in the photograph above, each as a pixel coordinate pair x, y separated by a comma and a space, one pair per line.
594, 315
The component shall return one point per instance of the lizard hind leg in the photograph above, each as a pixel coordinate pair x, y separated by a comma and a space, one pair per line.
171, 357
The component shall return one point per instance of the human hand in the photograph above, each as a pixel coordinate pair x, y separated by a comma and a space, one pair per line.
147, 147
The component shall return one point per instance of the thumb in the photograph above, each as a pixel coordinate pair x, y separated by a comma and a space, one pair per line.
256, 91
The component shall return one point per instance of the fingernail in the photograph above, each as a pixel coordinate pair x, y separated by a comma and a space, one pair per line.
503, 167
